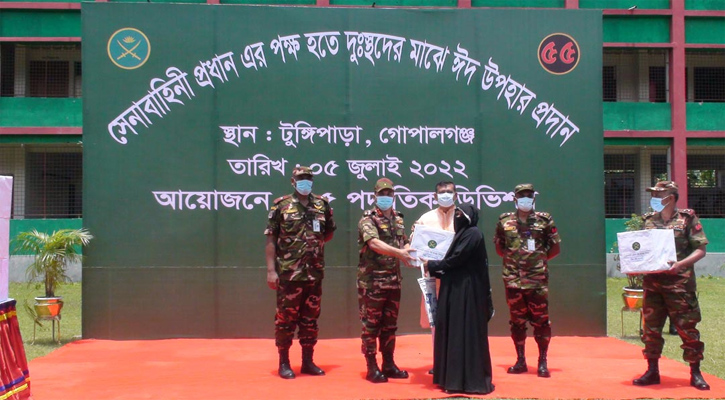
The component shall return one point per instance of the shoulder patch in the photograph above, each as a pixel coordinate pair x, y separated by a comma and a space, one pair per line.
504, 215
322, 198
280, 199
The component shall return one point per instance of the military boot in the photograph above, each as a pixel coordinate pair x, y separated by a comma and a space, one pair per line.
651, 376
308, 366
284, 368
672, 330
520, 366
390, 369
696, 378
543, 370
374, 375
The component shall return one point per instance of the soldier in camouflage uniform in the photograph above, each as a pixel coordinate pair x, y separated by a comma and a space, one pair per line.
383, 244
673, 292
299, 225
527, 240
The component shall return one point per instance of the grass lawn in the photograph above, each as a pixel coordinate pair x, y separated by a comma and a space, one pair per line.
711, 292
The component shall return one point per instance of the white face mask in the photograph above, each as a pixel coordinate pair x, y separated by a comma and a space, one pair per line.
446, 199
525, 204
656, 204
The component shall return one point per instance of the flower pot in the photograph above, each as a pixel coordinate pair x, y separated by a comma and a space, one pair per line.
48, 307
633, 298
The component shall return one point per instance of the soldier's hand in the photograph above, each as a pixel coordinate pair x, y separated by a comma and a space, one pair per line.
675, 268
406, 257
272, 280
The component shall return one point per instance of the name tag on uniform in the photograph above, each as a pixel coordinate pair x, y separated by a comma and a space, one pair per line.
316, 225
530, 244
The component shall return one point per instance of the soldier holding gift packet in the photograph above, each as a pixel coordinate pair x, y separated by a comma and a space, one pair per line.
673, 292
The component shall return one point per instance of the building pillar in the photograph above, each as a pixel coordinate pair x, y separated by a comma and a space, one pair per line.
678, 151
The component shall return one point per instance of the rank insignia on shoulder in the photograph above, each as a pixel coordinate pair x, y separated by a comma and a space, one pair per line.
279, 199
688, 211
504, 215
543, 214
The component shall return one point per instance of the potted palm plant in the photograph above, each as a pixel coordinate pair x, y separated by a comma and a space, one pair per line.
53, 252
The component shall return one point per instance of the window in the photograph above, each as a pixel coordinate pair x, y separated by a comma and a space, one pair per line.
40, 70
7, 69
709, 84
706, 182
657, 84
609, 82
635, 75
48, 79
705, 75
658, 166
619, 185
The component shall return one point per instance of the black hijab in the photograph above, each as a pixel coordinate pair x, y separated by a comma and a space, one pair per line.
468, 219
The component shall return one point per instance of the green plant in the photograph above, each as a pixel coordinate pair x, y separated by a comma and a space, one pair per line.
634, 223
52, 254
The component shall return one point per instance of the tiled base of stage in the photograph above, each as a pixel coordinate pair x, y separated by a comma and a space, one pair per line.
179, 369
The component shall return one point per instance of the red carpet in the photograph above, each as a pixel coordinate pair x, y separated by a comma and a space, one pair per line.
179, 369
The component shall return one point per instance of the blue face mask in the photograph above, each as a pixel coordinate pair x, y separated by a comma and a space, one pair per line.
656, 204
525, 204
384, 202
445, 199
304, 187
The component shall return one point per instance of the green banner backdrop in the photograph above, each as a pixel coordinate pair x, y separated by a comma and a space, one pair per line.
194, 116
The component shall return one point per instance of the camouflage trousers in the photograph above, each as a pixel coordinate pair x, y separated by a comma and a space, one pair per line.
379, 317
298, 305
684, 312
529, 305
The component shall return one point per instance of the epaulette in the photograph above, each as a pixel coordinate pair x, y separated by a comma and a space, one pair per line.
504, 215
649, 214
279, 199
544, 215
321, 197
398, 213
367, 213
688, 211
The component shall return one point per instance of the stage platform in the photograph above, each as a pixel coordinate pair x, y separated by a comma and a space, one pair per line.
180, 369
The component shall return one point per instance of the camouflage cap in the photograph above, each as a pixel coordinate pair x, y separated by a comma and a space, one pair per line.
670, 186
383, 183
302, 170
523, 186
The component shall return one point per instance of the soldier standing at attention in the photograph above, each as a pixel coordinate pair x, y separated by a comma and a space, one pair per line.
383, 244
299, 225
673, 292
527, 240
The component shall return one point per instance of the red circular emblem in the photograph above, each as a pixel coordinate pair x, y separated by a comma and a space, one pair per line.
558, 53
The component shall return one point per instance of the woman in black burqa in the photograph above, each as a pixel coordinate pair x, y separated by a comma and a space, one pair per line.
461, 359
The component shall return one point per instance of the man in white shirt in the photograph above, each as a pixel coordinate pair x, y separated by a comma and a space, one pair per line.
439, 218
